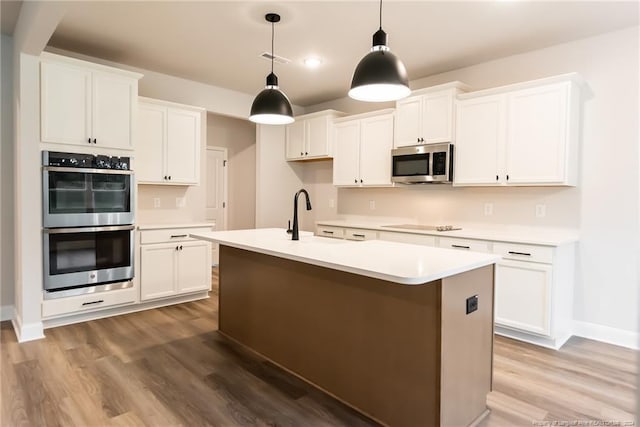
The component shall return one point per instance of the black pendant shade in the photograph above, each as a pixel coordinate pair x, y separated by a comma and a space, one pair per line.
380, 75
271, 106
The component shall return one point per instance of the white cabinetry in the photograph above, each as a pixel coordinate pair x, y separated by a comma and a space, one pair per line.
363, 150
86, 104
523, 134
309, 137
427, 116
169, 145
172, 264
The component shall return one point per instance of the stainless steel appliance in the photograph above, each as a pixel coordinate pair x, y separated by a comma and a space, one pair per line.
86, 190
422, 164
88, 215
87, 259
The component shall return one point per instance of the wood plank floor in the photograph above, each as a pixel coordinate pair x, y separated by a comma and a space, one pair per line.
169, 367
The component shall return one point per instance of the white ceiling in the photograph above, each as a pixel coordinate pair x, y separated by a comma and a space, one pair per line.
219, 42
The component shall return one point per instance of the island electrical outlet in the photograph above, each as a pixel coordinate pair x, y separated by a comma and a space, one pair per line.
472, 304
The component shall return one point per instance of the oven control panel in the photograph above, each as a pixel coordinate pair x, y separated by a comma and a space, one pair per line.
86, 161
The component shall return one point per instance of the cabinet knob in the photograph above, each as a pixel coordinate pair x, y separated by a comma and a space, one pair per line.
169, 177
360, 181
507, 177
355, 180
497, 178
180, 247
89, 141
417, 139
177, 247
301, 153
94, 141
165, 177
306, 153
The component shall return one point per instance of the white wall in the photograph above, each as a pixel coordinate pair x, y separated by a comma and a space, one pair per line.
276, 180
6, 179
604, 205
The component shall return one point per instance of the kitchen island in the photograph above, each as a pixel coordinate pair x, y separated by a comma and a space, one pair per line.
400, 332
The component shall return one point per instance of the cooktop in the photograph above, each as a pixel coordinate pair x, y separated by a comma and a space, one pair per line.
424, 227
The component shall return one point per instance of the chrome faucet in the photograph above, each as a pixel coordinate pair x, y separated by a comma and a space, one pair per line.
295, 233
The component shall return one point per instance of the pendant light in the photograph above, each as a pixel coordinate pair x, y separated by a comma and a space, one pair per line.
271, 106
380, 75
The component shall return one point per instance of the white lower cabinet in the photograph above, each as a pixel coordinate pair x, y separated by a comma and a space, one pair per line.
172, 264
523, 291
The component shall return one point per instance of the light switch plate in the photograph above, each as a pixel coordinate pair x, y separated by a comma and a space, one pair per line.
541, 211
372, 205
181, 202
156, 202
488, 209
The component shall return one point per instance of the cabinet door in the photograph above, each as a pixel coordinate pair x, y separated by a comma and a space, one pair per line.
194, 267
480, 136
114, 99
376, 142
523, 292
294, 140
183, 146
346, 158
317, 135
65, 111
158, 272
151, 143
437, 117
408, 122
537, 139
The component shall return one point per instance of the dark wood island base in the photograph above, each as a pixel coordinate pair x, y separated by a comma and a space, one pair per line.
404, 355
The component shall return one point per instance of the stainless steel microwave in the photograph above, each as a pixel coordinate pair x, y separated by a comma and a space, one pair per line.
422, 164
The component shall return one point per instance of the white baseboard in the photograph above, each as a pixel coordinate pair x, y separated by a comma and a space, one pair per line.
27, 332
607, 334
6, 312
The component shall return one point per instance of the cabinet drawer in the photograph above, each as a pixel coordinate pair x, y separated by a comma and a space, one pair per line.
524, 252
416, 239
328, 231
169, 234
360, 234
466, 244
89, 302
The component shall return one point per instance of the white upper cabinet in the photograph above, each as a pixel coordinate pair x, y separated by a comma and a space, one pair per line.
480, 139
427, 116
310, 137
523, 134
170, 139
86, 104
363, 150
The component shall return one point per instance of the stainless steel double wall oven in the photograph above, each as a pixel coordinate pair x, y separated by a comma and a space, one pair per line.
88, 216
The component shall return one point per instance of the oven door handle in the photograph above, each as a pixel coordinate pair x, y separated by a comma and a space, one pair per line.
88, 229
87, 170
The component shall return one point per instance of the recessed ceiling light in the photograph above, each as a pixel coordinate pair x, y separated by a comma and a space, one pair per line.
312, 62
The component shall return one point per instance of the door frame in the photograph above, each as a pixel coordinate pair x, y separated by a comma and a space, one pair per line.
225, 185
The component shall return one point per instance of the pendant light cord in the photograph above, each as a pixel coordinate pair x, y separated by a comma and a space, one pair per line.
272, 55
380, 14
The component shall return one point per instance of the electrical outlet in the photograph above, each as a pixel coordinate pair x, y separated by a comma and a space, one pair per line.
372, 205
488, 209
541, 211
472, 304
332, 203
181, 202
156, 202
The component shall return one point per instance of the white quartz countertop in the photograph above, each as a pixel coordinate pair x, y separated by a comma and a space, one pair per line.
395, 262
499, 233
179, 225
